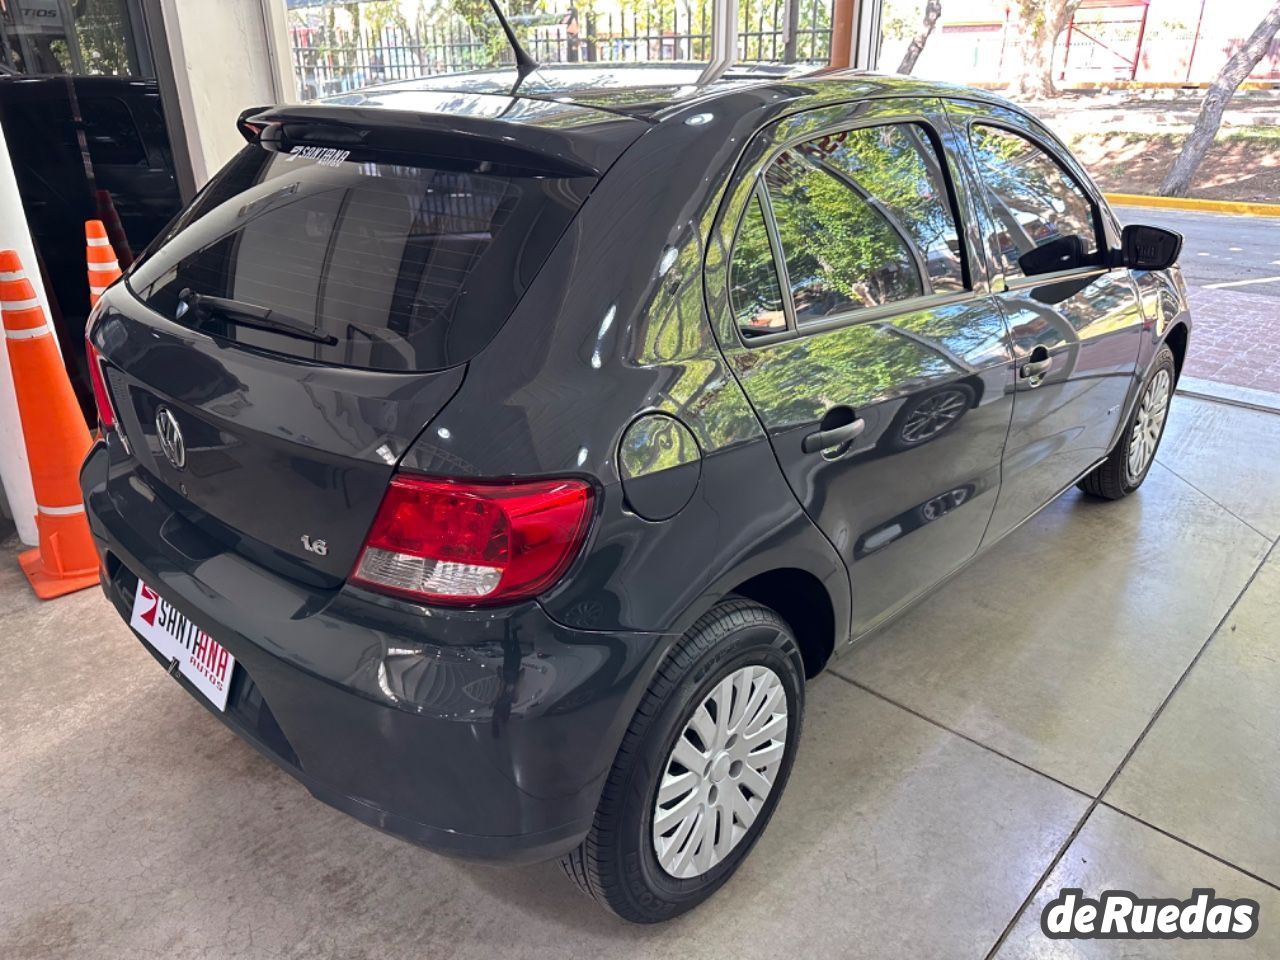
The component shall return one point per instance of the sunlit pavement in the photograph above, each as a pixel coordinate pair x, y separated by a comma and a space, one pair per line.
1232, 267
1093, 704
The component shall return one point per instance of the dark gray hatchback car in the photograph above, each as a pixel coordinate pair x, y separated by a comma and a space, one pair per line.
502, 465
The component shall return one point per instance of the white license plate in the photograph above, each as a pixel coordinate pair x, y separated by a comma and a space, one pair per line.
200, 658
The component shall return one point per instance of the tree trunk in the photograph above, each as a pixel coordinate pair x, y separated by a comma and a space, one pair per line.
1042, 22
1177, 182
932, 10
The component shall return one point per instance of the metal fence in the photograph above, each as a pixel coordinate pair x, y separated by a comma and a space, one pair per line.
1100, 45
1103, 44
330, 59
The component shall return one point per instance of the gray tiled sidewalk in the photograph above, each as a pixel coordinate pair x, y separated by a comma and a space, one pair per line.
995, 744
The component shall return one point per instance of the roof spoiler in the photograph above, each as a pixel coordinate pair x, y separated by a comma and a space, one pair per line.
545, 151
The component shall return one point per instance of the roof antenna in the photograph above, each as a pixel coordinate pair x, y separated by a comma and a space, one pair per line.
525, 64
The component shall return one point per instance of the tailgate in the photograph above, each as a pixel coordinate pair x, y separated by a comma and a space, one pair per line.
284, 460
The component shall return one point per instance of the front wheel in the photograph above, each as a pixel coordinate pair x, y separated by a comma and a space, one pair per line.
700, 769
1130, 459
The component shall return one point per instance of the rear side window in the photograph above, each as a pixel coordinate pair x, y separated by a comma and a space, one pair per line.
755, 292
863, 219
1044, 220
386, 266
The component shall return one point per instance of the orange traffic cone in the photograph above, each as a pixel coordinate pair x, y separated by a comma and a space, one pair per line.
103, 269
108, 214
56, 437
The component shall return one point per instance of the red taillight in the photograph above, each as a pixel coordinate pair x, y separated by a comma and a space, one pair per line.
106, 415
473, 543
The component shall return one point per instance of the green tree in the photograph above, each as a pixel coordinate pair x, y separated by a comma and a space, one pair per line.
101, 32
1042, 23
932, 11
381, 14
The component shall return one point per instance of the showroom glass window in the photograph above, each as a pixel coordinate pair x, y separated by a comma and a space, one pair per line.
82, 38
1035, 202
863, 219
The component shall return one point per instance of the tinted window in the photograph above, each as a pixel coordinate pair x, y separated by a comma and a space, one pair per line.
1044, 220
755, 292
405, 267
864, 219
110, 133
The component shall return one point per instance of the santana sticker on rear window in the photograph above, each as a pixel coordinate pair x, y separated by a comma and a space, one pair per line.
326, 156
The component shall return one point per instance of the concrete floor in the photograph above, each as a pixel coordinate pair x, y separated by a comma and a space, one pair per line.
1093, 704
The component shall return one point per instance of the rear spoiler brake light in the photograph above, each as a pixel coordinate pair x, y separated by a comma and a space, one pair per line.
371, 132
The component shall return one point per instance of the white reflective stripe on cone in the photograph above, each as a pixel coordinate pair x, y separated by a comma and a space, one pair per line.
60, 511
97, 241
97, 291
40, 331
20, 304
12, 275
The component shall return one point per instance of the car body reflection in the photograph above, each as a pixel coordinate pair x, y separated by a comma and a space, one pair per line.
909, 520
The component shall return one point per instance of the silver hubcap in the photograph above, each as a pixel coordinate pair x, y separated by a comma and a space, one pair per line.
720, 771
933, 416
1148, 423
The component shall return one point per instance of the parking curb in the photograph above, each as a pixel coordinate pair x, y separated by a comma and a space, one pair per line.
1094, 86
1238, 207
1250, 398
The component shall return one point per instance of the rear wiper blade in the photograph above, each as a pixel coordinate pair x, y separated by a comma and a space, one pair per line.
250, 315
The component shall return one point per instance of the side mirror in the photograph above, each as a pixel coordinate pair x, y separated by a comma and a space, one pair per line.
1148, 248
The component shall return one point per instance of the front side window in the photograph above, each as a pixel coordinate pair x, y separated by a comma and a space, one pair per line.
863, 219
1044, 221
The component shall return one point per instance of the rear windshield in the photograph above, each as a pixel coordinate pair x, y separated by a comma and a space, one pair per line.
380, 265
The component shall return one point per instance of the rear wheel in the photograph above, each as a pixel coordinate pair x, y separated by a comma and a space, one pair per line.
1130, 459
700, 769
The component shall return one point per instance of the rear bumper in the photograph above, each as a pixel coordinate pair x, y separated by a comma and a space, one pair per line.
486, 736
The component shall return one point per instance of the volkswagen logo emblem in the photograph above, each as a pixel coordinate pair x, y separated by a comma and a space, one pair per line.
170, 436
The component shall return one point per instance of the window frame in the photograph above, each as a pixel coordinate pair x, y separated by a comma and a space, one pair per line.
1054, 152
758, 194
860, 314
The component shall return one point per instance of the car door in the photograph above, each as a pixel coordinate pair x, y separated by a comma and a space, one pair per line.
1076, 322
858, 321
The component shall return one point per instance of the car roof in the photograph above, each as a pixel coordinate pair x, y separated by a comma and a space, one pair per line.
654, 91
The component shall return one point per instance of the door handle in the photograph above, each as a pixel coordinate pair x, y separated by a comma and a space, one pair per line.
1037, 365
821, 440
1037, 368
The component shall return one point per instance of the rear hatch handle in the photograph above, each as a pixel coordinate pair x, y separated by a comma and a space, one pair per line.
245, 314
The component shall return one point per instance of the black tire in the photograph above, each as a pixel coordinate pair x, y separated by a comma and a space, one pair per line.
1112, 479
616, 864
